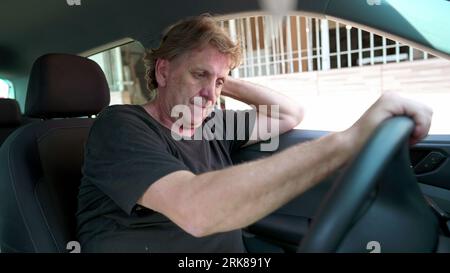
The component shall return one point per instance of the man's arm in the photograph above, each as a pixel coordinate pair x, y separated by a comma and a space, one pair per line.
290, 113
238, 196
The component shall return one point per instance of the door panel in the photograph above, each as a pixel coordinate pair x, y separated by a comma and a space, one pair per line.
430, 161
433, 171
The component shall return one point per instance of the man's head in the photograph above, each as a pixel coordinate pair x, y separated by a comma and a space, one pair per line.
193, 60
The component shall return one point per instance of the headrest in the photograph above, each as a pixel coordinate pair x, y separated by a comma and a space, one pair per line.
63, 85
9, 113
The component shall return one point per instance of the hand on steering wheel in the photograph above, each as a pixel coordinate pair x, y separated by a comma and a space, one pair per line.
376, 198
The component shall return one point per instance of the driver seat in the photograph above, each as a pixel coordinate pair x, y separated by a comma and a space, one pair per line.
40, 168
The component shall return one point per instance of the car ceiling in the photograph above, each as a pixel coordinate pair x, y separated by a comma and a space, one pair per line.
29, 29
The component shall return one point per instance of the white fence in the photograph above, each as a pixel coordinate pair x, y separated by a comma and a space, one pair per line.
297, 43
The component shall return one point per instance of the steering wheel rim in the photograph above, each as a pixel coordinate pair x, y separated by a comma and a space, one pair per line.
336, 215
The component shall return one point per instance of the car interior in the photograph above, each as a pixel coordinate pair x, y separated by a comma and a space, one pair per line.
391, 193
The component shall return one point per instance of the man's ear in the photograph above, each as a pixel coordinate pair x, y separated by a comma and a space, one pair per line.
161, 72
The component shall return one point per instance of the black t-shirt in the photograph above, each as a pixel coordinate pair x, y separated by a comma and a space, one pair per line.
127, 150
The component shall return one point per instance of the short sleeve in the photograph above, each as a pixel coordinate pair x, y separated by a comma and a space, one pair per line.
238, 126
124, 156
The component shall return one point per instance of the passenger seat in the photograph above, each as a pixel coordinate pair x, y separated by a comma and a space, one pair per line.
10, 118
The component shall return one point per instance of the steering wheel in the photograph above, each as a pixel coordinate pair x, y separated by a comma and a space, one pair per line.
376, 202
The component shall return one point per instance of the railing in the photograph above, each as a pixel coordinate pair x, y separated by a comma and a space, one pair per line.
297, 43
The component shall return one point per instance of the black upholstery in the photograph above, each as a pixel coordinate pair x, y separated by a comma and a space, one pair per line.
10, 118
80, 78
9, 112
41, 162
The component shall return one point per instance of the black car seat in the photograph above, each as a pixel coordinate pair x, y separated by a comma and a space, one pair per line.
40, 168
10, 118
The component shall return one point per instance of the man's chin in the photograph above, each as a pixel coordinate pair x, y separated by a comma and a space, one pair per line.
195, 121
193, 124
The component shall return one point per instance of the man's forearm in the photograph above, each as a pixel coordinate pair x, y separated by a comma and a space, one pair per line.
257, 95
238, 196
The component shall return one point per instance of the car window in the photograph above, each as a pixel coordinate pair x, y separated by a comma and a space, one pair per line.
336, 70
6, 89
125, 72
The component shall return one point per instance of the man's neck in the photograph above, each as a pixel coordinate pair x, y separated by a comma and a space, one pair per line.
162, 116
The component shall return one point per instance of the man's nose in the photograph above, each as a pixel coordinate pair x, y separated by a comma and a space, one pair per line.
209, 91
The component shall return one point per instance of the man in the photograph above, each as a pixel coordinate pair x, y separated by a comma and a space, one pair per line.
148, 187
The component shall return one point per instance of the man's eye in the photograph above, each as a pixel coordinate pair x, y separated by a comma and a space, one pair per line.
198, 75
219, 84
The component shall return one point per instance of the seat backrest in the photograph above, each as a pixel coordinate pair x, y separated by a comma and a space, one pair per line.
10, 118
41, 162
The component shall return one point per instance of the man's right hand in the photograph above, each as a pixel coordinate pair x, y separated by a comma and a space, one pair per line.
389, 105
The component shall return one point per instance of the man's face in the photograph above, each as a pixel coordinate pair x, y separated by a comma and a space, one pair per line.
195, 79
